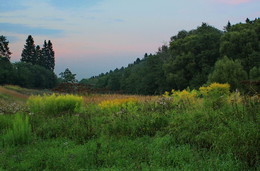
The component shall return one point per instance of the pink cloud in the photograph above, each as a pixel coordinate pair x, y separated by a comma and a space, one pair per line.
233, 2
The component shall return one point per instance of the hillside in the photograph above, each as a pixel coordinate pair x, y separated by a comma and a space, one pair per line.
192, 58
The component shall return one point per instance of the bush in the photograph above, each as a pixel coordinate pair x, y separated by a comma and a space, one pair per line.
55, 104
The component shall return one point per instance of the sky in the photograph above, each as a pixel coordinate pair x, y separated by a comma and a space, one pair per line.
91, 37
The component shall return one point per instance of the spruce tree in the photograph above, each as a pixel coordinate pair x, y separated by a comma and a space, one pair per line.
4, 49
51, 54
44, 54
47, 58
28, 54
38, 55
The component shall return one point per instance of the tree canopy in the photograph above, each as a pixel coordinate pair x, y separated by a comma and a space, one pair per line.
192, 58
68, 77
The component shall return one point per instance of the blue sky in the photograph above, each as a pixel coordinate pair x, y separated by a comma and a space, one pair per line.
95, 36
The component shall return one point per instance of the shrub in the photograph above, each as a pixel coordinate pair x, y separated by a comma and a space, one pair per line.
19, 133
215, 95
55, 104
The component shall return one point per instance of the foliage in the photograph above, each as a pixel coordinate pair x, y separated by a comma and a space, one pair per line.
47, 59
242, 42
36, 56
33, 76
182, 99
145, 153
68, 77
215, 95
20, 132
28, 53
189, 60
35, 71
4, 49
132, 132
228, 71
255, 74
6, 71
118, 104
54, 105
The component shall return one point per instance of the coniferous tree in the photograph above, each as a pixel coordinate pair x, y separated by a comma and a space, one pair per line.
28, 54
51, 60
47, 59
228, 26
44, 54
4, 49
38, 55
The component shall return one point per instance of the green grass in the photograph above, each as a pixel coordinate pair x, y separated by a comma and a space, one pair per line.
60, 133
144, 153
19, 133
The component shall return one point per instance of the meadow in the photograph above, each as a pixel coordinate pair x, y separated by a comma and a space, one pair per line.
206, 129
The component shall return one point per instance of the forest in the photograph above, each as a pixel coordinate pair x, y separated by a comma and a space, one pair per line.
193, 58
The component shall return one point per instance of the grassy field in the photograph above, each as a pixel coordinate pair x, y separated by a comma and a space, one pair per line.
207, 129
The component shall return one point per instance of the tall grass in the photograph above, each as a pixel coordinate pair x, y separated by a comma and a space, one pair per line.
210, 129
19, 133
54, 104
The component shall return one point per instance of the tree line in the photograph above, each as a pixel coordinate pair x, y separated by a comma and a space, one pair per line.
192, 59
36, 66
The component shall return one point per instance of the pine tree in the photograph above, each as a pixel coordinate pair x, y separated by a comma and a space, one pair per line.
28, 54
4, 49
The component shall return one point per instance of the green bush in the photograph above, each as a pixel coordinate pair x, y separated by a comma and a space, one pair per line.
55, 104
19, 133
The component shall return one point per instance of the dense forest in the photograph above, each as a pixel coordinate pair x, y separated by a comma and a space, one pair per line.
192, 59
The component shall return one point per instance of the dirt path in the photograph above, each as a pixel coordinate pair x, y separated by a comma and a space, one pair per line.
13, 93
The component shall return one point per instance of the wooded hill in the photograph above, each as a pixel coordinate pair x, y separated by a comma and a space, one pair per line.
192, 59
